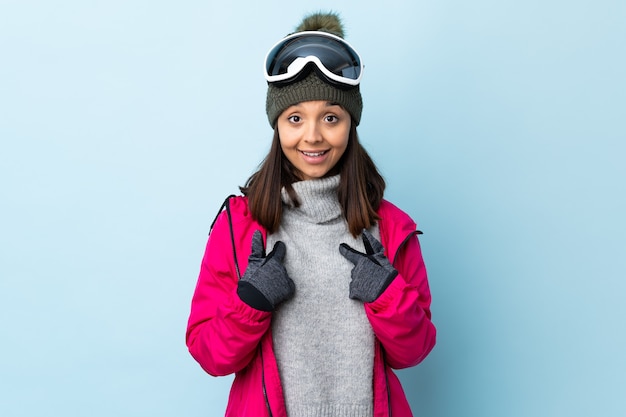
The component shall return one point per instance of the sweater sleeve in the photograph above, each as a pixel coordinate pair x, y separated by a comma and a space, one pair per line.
401, 316
222, 332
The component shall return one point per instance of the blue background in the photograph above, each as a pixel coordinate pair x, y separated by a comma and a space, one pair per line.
499, 126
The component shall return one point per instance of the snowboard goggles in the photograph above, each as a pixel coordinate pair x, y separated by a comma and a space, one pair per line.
332, 56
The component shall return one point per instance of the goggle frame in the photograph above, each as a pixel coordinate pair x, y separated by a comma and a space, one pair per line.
296, 66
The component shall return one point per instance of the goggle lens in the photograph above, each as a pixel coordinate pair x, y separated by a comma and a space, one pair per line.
333, 56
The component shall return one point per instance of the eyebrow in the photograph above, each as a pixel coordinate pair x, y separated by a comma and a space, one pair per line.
328, 104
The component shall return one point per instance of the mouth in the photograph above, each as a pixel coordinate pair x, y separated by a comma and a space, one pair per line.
313, 154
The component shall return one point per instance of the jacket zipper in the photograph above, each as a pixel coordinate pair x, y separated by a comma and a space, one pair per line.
226, 206
382, 349
404, 242
267, 401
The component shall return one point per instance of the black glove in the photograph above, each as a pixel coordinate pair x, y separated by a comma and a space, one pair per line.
265, 283
372, 272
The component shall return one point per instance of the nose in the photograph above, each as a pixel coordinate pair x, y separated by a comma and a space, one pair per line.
312, 133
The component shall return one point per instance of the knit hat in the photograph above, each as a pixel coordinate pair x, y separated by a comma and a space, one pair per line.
312, 86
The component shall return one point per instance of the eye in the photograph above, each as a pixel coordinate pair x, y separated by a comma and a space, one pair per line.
294, 119
331, 118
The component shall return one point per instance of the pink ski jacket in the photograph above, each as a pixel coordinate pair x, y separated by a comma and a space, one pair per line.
227, 336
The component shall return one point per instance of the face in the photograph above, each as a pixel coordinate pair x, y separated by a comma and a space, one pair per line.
313, 136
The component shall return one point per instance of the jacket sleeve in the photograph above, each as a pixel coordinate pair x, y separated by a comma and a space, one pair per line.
401, 316
222, 332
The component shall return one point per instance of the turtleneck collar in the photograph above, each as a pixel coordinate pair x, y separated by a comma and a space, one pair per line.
318, 199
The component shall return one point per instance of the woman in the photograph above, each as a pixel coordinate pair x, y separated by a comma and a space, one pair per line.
315, 326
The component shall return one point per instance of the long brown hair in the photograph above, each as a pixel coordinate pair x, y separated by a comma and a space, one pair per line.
360, 191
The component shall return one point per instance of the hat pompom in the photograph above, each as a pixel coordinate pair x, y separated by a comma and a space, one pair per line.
325, 22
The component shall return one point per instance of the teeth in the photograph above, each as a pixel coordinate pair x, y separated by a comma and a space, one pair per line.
314, 153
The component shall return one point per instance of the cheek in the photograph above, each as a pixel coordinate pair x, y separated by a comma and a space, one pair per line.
287, 141
287, 147
341, 154
284, 144
342, 144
